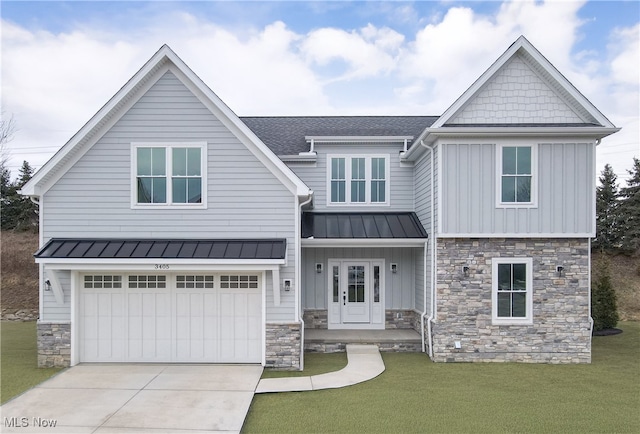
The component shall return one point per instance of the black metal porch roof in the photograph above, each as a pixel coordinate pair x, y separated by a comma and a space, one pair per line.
362, 225
163, 249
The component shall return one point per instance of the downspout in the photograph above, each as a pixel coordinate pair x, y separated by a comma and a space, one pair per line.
298, 301
590, 316
429, 320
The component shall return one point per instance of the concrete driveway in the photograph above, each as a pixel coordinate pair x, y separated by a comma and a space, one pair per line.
136, 398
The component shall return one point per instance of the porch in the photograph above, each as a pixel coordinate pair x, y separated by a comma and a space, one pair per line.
333, 341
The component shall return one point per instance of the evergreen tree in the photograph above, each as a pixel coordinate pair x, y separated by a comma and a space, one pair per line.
629, 210
18, 212
607, 211
604, 308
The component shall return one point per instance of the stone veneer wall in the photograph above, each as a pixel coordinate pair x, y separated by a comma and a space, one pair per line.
284, 345
394, 319
54, 345
560, 332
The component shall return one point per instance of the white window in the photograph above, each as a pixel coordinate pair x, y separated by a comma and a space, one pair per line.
512, 291
517, 184
358, 179
103, 281
169, 175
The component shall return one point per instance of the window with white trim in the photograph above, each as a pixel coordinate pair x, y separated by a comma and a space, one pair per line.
169, 174
517, 182
358, 180
102, 281
512, 291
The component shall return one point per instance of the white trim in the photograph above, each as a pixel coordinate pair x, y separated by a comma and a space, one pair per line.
523, 235
374, 323
438, 188
75, 307
594, 211
275, 283
151, 267
528, 319
169, 146
363, 242
534, 176
368, 180
356, 139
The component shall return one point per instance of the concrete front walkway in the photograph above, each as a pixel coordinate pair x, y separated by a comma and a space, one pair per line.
136, 398
364, 363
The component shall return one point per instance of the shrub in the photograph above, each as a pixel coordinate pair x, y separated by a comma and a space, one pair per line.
604, 309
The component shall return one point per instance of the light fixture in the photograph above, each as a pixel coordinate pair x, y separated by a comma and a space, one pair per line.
47, 285
394, 268
465, 270
318, 267
286, 283
560, 270
457, 345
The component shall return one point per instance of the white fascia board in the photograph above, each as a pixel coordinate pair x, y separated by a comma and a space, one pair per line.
516, 131
240, 129
32, 187
517, 235
357, 139
364, 242
160, 265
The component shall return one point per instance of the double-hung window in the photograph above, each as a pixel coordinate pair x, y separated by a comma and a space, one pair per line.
169, 175
517, 182
358, 180
512, 291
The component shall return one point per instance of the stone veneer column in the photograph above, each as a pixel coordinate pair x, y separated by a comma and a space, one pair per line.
54, 344
561, 330
283, 346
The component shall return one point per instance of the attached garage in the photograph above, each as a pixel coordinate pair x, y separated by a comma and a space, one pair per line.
186, 318
164, 301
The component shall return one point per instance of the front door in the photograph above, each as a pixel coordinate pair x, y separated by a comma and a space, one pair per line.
356, 294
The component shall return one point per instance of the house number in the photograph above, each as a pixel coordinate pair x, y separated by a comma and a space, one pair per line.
162, 266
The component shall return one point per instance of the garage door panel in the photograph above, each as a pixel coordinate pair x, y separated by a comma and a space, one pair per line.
197, 322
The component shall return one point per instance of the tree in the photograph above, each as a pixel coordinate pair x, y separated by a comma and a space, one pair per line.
604, 308
24, 210
629, 210
607, 211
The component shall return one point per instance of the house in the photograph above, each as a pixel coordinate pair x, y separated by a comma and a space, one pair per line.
172, 230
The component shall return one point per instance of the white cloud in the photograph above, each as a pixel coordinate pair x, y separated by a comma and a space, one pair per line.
54, 82
367, 52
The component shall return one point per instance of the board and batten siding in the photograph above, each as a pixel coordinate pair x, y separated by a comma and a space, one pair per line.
399, 287
564, 200
316, 176
245, 200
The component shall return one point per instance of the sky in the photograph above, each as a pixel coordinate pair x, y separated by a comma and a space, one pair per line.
62, 61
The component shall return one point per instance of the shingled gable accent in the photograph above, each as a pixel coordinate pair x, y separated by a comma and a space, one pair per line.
163, 60
564, 88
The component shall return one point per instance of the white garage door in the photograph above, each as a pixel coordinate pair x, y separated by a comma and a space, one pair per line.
186, 318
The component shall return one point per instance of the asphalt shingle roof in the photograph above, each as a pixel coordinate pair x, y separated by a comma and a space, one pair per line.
286, 135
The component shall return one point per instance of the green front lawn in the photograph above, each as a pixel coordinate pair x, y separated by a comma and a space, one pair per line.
416, 395
19, 359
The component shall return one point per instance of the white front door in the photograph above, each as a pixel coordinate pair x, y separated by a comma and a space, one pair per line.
356, 294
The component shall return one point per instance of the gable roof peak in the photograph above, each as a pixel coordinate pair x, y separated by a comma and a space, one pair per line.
524, 49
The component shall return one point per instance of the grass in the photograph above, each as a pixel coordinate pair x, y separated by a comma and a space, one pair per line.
416, 395
18, 359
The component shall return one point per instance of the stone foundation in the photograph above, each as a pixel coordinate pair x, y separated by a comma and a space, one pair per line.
284, 346
402, 319
560, 332
315, 318
54, 345
394, 319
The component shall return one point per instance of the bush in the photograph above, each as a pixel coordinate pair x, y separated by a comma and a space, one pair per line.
604, 309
